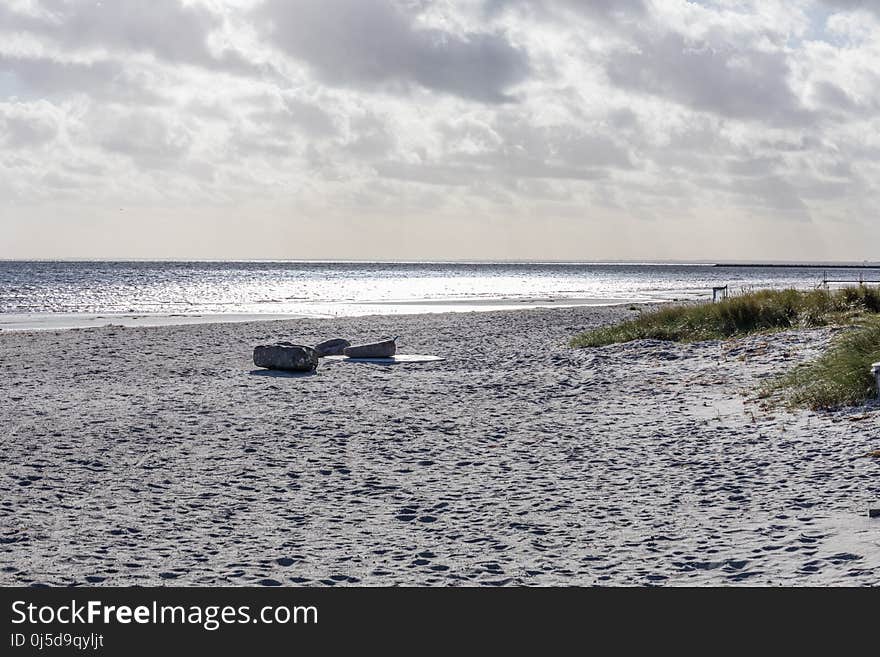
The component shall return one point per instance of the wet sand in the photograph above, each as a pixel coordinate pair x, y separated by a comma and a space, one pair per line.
56, 321
159, 455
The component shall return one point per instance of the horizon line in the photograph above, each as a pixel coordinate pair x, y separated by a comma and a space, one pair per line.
849, 264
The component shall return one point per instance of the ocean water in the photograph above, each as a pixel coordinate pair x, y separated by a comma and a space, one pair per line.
322, 289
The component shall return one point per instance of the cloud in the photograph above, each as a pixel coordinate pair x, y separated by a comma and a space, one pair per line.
150, 137
102, 79
722, 76
605, 10
774, 193
599, 115
850, 5
166, 29
26, 125
379, 44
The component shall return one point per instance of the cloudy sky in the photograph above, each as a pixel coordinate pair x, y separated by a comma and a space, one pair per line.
545, 129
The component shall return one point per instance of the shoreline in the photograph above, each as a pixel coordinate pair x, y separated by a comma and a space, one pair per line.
161, 455
37, 322
26, 322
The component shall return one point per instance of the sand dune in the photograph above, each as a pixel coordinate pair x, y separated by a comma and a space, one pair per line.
158, 455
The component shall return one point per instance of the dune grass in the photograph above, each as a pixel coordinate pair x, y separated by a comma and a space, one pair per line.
840, 377
765, 310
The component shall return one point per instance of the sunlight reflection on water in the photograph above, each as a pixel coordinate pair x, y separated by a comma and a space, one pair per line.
338, 288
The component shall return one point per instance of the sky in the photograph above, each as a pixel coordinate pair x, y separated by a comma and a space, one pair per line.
440, 129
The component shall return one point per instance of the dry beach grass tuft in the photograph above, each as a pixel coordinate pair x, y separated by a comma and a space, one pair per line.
840, 377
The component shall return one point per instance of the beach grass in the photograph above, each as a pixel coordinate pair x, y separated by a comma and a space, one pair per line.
840, 377
740, 315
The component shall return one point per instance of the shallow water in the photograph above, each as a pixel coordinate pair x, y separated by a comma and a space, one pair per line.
321, 289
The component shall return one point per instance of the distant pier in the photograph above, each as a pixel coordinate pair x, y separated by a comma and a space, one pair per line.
793, 265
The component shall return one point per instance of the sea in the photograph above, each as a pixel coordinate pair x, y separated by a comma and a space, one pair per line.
52, 294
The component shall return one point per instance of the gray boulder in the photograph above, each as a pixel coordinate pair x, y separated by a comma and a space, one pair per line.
383, 349
332, 347
286, 356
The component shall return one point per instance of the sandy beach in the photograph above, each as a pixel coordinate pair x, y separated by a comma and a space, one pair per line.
160, 455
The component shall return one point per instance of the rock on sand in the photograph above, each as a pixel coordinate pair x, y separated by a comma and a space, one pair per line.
332, 347
286, 356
